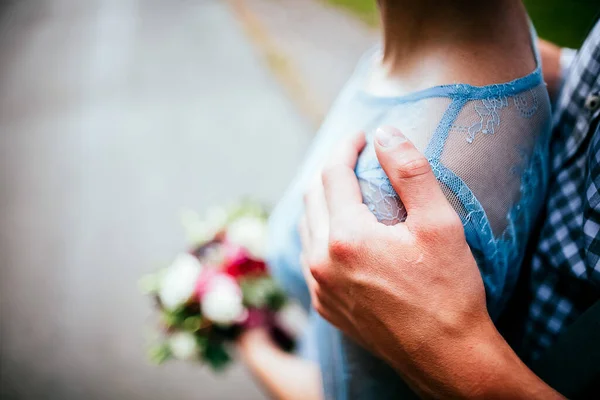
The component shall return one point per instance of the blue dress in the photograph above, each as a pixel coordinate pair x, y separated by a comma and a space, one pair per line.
488, 148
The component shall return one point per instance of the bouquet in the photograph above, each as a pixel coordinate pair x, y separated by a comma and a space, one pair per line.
209, 295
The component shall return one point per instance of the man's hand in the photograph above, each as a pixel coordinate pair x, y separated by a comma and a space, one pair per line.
412, 292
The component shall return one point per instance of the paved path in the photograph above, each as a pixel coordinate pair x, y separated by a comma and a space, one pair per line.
321, 42
113, 115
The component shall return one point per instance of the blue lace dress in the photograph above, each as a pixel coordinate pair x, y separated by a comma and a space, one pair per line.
488, 148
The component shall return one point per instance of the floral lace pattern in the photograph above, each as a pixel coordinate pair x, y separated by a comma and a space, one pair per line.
486, 144
527, 108
378, 193
494, 252
489, 110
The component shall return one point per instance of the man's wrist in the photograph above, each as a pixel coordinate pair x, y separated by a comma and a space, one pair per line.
486, 367
478, 365
507, 376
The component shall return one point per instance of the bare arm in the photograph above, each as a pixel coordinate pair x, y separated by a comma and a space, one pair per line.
284, 376
551, 68
475, 364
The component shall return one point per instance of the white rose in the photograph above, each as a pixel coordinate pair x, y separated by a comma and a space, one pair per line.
250, 233
179, 282
199, 230
183, 346
223, 302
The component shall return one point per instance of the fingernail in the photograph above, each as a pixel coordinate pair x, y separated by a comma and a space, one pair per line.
388, 136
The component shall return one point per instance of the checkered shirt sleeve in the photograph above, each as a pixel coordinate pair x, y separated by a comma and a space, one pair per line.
565, 267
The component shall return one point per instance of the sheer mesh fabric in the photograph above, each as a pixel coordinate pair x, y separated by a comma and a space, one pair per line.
418, 121
487, 156
488, 149
495, 140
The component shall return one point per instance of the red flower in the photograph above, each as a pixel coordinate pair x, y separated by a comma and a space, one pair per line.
238, 262
257, 318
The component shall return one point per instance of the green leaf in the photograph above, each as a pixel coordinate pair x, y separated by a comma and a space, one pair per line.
216, 356
276, 300
149, 284
262, 292
246, 208
192, 324
159, 353
202, 342
174, 318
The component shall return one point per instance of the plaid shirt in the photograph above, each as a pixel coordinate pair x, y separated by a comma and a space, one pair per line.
565, 266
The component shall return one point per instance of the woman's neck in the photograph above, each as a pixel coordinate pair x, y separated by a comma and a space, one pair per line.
437, 41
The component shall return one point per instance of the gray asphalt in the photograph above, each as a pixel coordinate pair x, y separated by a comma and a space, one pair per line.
323, 42
113, 116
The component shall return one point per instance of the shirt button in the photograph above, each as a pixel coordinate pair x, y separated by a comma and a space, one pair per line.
592, 102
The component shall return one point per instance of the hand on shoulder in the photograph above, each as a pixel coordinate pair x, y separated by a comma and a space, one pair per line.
411, 293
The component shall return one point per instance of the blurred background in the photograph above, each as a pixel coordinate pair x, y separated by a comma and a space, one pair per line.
115, 114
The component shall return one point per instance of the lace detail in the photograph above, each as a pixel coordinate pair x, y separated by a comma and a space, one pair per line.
377, 191
489, 117
496, 184
495, 252
488, 112
526, 108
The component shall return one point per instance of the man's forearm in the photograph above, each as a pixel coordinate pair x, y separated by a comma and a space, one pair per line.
480, 366
411, 293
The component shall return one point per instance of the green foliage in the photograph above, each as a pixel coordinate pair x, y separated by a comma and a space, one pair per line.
215, 354
192, 323
262, 292
276, 300
202, 342
364, 9
173, 319
149, 284
186, 318
564, 22
246, 208
159, 353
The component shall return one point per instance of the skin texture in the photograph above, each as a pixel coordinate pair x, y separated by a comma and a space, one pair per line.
432, 42
282, 375
550, 54
426, 316
436, 353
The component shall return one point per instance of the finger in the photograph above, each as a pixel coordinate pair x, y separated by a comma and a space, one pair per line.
340, 184
409, 173
308, 278
317, 216
348, 151
304, 233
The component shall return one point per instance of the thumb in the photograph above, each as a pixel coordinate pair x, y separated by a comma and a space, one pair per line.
409, 173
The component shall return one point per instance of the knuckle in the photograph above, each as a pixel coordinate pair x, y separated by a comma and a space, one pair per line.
414, 166
340, 248
317, 292
329, 172
326, 174
443, 225
318, 307
318, 270
452, 223
305, 197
